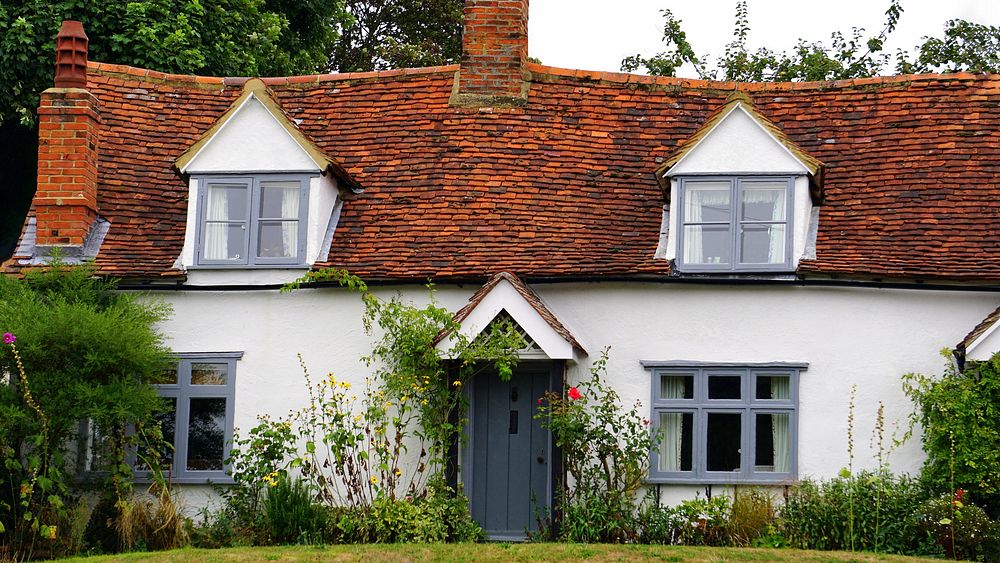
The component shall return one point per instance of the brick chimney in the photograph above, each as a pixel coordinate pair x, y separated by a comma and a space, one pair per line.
494, 50
66, 197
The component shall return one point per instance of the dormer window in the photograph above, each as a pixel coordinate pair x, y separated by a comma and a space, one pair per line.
252, 220
735, 224
261, 194
740, 196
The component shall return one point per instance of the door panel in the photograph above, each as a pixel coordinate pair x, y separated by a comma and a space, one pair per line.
509, 474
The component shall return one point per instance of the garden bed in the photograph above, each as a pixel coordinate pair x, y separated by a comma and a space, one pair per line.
497, 552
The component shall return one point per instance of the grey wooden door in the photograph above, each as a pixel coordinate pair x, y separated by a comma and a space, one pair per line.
508, 474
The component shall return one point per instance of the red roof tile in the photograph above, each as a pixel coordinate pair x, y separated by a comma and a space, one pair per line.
565, 185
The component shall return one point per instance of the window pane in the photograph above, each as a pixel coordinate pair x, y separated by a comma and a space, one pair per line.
763, 202
678, 437
724, 431
725, 387
226, 202
169, 377
772, 443
762, 244
224, 241
206, 434
279, 200
776, 387
676, 386
278, 239
168, 423
706, 202
707, 244
208, 374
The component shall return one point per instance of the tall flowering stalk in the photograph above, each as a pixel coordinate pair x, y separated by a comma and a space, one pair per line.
26, 492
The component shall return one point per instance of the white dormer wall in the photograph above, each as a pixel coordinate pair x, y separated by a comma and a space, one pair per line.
253, 142
738, 145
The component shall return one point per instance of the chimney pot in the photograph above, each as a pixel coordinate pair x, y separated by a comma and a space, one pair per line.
71, 56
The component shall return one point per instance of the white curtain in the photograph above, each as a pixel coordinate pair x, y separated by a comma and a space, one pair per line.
781, 390
672, 424
697, 200
776, 233
290, 229
217, 234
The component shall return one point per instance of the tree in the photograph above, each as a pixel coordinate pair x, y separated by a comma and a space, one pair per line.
73, 350
382, 34
965, 46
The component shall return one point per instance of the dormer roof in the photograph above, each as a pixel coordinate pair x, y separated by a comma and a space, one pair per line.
253, 116
740, 105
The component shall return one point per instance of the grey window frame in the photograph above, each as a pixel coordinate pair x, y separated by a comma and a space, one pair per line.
182, 392
735, 197
748, 406
253, 183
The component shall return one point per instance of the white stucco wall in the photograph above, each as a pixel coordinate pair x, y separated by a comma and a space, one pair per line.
848, 336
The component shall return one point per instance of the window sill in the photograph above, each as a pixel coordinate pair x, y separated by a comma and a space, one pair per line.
206, 480
777, 480
237, 267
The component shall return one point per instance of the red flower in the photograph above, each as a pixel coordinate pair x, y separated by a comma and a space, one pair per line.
574, 393
959, 495
539, 400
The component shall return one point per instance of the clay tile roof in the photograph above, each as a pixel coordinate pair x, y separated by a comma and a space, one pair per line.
529, 295
565, 185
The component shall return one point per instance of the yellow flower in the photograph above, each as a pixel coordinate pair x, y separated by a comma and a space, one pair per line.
398, 472
456, 383
357, 418
345, 385
424, 402
374, 480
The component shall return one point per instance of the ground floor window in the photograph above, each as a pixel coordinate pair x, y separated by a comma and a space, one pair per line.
198, 424
724, 423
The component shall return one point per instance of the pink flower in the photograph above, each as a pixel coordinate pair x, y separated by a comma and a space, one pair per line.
645, 421
8, 338
574, 393
539, 400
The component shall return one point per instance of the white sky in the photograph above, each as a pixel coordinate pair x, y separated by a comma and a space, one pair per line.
598, 34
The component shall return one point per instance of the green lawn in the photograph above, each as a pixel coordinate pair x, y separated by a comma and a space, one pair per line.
497, 552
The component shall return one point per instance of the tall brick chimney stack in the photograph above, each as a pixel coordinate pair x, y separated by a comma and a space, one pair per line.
494, 50
66, 198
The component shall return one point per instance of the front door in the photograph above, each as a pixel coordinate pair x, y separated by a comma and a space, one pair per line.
507, 460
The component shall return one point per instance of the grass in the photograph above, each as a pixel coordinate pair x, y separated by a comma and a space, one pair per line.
495, 552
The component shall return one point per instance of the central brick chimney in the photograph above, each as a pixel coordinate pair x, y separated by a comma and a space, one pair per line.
494, 50
66, 197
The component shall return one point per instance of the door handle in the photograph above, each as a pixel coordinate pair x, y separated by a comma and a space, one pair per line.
541, 457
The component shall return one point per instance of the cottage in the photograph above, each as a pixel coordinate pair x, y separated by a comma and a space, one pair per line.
749, 252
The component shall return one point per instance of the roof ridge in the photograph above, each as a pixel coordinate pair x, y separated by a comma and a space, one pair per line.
697, 83
109, 69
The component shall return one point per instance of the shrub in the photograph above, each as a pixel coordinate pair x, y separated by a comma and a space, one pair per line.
606, 450
751, 517
870, 511
961, 429
963, 531
698, 521
291, 516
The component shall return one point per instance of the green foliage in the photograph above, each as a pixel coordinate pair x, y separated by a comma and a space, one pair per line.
220, 37
963, 531
439, 515
697, 521
961, 429
867, 511
291, 516
83, 351
965, 46
400, 34
606, 454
